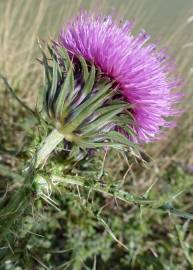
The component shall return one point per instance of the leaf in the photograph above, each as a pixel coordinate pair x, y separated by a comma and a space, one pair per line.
88, 107
102, 91
114, 105
63, 101
47, 68
106, 114
108, 229
42, 97
54, 56
90, 81
88, 87
66, 58
84, 68
126, 128
89, 144
170, 209
52, 91
118, 137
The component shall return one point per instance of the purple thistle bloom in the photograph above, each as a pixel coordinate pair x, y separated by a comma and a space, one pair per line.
141, 71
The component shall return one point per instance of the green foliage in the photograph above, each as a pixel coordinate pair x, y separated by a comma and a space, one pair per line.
83, 233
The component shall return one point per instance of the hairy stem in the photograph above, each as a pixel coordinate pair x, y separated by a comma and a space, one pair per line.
50, 143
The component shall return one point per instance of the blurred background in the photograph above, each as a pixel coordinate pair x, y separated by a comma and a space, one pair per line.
73, 238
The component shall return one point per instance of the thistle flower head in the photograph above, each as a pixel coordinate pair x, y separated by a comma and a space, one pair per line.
82, 103
141, 71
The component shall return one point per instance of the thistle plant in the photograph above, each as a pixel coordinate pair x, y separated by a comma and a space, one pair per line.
103, 89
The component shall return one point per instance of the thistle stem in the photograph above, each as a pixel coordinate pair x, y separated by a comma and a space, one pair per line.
105, 190
49, 144
122, 195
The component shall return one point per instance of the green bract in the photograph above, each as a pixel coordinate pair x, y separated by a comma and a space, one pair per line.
83, 104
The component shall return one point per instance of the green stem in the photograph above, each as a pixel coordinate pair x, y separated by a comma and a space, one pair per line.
108, 191
121, 195
50, 143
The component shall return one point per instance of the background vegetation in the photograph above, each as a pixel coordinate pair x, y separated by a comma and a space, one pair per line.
125, 236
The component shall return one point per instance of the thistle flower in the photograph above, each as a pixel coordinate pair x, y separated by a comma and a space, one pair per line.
140, 70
